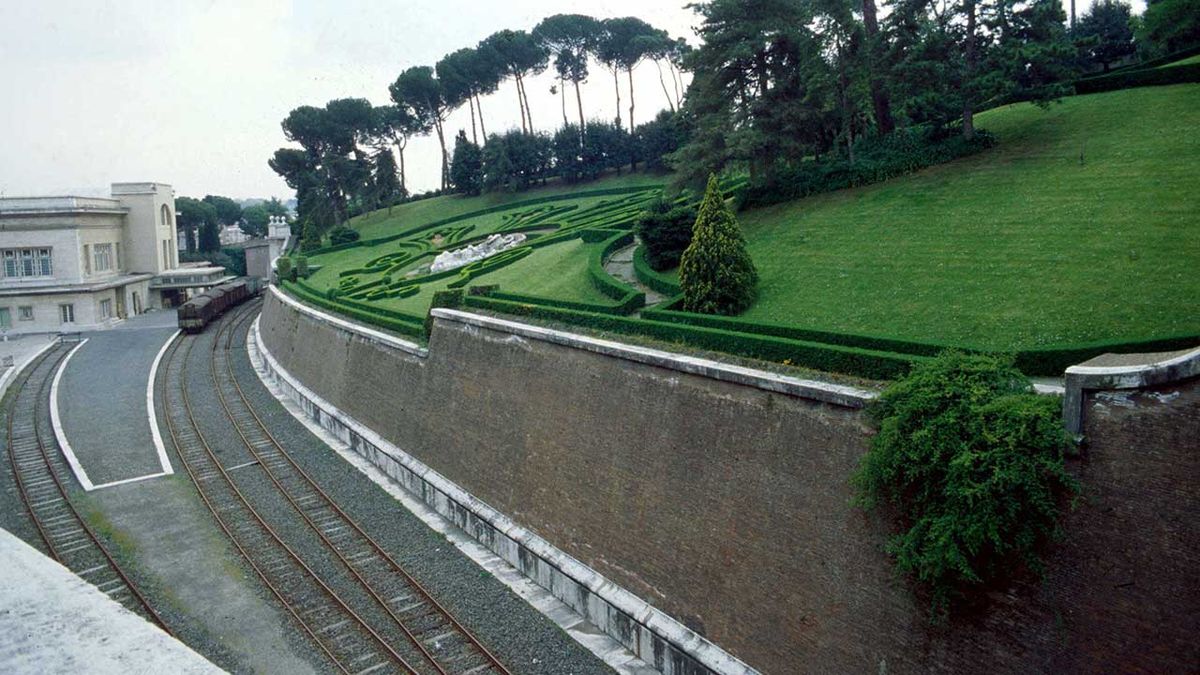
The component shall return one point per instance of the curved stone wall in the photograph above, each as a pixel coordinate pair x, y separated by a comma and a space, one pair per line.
719, 496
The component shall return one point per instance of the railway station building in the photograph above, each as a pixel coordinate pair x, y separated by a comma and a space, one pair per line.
85, 263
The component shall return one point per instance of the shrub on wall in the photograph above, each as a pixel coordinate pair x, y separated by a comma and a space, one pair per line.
302, 267
284, 269
973, 461
715, 272
666, 230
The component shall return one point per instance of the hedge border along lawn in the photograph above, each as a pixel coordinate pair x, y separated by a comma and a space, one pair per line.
654, 280
1143, 77
834, 358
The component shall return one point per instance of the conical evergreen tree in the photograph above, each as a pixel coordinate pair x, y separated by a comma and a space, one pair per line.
716, 272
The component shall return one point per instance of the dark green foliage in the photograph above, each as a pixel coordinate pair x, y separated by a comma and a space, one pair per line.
283, 267
388, 190
198, 220
343, 235
715, 272
255, 220
876, 160
302, 267
661, 137
1170, 26
1145, 77
311, 240
228, 211
1104, 34
973, 461
466, 167
516, 161
665, 229
232, 259
452, 299
369, 314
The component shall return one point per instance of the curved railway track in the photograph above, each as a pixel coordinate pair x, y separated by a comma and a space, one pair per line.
37, 467
444, 644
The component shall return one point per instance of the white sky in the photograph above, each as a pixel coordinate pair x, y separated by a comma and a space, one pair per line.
192, 92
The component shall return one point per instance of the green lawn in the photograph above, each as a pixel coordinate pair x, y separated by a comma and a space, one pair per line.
1022, 245
1183, 62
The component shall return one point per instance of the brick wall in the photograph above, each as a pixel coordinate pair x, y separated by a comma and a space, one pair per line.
727, 506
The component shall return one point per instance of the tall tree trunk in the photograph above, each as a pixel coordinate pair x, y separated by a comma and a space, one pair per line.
528, 111
630, 72
400, 150
482, 128
968, 111
617, 88
520, 101
579, 103
562, 99
676, 83
663, 83
471, 105
879, 96
445, 158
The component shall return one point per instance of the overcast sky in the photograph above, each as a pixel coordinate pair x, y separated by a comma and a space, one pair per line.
191, 93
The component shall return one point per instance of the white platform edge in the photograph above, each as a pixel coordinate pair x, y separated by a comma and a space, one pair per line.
152, 412
7, 378
705, 652
56, 421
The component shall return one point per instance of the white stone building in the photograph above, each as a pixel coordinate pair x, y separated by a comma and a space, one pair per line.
82, 263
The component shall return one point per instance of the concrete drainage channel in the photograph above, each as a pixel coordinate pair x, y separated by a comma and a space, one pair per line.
654, 640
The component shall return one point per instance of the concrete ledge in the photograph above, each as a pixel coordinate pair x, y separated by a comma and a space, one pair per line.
359, 330
841, 395
652, 635
1156, 370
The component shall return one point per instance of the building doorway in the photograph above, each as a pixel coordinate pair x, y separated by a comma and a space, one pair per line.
121, 303
137, 303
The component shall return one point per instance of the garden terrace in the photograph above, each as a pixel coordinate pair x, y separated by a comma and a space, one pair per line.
1075, 235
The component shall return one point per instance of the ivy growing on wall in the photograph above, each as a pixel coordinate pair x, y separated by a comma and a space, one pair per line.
973, 461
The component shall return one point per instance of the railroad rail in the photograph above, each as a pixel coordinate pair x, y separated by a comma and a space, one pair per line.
341, 634
446, 645
37, 465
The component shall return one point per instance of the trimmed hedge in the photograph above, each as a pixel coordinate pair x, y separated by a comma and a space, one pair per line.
1145, 77
392, 321
628, 306
604, 282
653, 280
452, 299
849, 360
1040, 361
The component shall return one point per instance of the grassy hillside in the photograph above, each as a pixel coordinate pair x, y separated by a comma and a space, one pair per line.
1022, 245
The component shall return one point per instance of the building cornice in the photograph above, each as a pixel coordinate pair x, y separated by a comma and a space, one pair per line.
13, 291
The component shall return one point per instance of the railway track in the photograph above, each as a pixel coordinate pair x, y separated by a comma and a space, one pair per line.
445, 645
339, 632
38, 467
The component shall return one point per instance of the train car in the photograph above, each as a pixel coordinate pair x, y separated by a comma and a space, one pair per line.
197, 313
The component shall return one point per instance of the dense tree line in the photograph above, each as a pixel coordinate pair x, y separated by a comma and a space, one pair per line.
346, 164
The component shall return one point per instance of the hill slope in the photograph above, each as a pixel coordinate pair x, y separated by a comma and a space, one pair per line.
1022, 245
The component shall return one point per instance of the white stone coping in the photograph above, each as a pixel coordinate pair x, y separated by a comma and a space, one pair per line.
836, 394
705, 652
1178, 367
358, 329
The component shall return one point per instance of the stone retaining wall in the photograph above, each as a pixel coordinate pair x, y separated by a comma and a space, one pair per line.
719, 496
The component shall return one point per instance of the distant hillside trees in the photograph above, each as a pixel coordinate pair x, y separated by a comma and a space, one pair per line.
1169, 26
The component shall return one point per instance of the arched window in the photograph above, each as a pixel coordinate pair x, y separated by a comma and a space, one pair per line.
166, 215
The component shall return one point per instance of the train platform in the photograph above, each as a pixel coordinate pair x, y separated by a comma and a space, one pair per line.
18, 350
51, 621
100, 403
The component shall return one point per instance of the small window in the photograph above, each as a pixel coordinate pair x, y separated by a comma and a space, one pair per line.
25, 313
67, 313
105, 309
5, 318
103, 256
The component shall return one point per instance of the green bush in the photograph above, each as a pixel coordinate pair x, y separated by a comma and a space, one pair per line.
973, 461
1146, 77
283, 267
715, 272
665, 229
342, 235
302, 267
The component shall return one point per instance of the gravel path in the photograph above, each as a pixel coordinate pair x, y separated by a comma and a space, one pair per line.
620, 265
